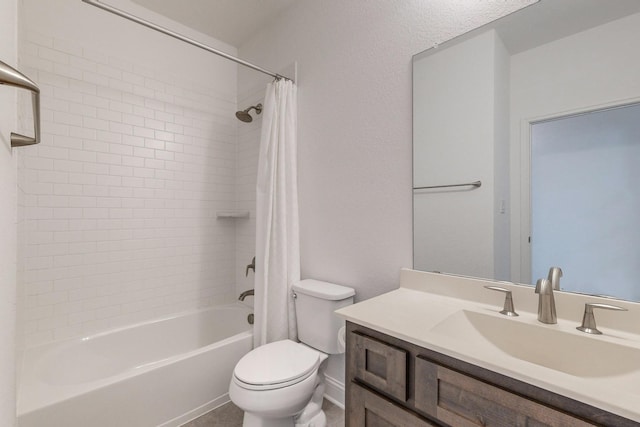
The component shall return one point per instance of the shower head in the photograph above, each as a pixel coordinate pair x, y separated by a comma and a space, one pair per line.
244, 115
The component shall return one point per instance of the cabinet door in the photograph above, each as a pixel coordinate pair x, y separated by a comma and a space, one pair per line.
463, 401
380, 365
367, 409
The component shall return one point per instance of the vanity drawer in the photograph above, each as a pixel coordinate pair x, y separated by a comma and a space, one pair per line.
368, 409
460, 400
380, 365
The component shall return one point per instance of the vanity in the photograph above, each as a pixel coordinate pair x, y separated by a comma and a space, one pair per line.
437, 352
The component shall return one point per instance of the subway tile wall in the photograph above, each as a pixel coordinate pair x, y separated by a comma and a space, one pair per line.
119, 201
246, 177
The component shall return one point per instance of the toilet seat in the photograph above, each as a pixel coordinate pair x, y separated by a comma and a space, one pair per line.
276, 365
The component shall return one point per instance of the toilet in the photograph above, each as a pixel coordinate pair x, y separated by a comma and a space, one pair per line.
281, 384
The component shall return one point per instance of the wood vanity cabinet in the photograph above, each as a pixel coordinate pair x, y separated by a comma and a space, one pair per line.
392, 383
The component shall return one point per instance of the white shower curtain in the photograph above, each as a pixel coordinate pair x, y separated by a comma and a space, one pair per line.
277, 235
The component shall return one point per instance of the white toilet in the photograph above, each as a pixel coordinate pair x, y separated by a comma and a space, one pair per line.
281, 384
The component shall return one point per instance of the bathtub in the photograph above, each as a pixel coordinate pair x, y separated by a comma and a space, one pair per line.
159, 373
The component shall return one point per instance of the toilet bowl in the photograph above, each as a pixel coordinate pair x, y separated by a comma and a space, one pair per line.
281, 384
276, 383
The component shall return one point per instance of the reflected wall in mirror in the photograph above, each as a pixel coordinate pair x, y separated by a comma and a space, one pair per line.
476, 99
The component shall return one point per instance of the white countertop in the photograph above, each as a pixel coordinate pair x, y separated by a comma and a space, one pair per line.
424, 300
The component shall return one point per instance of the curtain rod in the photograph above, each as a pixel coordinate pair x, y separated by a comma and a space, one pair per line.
178, 36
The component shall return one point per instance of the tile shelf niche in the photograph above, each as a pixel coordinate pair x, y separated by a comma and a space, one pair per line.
232, 214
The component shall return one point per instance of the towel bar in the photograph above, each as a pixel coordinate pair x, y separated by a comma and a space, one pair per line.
475, 184
11, 77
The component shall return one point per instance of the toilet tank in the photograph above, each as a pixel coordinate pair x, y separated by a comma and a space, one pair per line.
315, 303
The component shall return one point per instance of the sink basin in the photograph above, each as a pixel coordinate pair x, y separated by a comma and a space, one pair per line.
571, 353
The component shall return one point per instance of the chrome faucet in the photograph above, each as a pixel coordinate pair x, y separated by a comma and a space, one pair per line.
555, 273
246, 294
546, 302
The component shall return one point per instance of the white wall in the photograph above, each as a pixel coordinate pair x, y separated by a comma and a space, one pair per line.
595, 68
354, 110
8, 204
138, 154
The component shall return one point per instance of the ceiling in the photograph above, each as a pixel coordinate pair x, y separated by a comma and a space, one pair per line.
230, 21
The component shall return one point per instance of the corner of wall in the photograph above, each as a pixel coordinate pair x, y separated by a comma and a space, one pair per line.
8, 214
501, 226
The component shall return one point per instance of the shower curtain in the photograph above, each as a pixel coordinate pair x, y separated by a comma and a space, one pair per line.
277, 235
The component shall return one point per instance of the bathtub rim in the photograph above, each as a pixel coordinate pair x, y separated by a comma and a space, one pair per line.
144, 322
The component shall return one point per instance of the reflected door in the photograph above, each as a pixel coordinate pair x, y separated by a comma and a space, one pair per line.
585, 201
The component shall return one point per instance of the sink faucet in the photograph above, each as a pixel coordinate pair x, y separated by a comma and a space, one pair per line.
555, 273
546, 302
246, 294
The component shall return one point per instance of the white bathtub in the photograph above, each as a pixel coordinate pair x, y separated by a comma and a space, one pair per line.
159, 373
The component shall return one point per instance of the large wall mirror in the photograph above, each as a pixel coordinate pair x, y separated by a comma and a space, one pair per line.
527, 148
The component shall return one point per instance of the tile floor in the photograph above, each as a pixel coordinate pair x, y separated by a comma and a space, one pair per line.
229, 415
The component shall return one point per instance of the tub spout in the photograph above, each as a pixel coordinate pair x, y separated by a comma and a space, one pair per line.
246, 294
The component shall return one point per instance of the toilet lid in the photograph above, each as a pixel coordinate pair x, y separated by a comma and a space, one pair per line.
277, 362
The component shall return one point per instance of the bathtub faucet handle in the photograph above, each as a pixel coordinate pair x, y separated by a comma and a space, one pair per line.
251, 266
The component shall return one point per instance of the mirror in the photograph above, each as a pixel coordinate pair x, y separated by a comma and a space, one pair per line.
477, 99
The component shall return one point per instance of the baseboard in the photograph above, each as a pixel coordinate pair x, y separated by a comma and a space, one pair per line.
334, 391
195, 413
